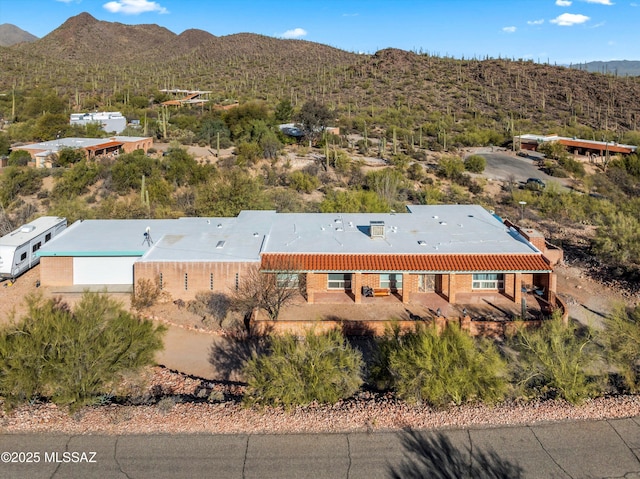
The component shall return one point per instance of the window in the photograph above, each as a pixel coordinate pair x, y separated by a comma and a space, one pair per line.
488, 281
339, 281
23, 256
391, 280
287, 280
426, 283
47, 237
211, 281
186, 281
35, 247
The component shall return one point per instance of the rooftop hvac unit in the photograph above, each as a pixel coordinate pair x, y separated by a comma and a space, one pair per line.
376, 229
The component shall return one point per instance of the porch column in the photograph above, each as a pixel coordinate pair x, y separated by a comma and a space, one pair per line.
517, 288
310, 287
551, 291
407, 286
356, 286
452, 288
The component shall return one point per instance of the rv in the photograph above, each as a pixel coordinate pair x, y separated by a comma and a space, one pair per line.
18, 249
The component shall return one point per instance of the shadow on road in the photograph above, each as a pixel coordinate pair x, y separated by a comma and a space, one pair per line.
434, 456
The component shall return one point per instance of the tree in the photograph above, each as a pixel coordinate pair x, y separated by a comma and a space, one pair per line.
269, 292
313, 118
553, 150
19, 158
73, 357
16, 181
69, 156
618, 239
475, 164
558, 359
621, 341
321, 367
441, 367
283, 112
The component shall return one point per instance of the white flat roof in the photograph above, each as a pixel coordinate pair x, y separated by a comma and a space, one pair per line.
449, 229
425, 229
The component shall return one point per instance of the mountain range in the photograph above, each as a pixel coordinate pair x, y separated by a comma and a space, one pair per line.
88, 58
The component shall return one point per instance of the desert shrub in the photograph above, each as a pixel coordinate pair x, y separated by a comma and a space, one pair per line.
450, 167
210, 305
303, 182
323, 368
17, 181
145, 294
73, 357
440, 368
416, 172
19, 158
621, 341
76, 180
557, 360
572, 166
475, 164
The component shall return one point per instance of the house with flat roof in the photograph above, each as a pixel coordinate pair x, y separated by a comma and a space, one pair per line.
575, 145
41, 152
109, 121
454, 252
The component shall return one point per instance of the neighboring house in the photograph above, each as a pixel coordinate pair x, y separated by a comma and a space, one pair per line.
188, 97
575, 145
450, 251
109, 121
41, 152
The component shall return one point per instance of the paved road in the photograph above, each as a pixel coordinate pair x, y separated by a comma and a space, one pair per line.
564, 450
501, 166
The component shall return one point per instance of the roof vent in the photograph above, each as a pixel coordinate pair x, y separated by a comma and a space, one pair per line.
219, 225
376, 229
422, 242
27, 229
443, 223
220, 244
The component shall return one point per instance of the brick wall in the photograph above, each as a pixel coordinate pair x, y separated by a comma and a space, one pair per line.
198, 276
56, 270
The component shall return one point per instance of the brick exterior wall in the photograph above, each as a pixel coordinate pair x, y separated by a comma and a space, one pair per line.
198, 276
56, 270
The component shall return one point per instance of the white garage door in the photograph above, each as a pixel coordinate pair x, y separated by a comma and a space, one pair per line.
103, 270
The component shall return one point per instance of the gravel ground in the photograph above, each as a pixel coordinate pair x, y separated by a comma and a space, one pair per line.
218, 411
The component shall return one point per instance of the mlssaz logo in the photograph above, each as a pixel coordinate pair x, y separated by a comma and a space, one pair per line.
73, 457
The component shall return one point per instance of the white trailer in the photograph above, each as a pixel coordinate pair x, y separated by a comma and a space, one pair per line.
19, 249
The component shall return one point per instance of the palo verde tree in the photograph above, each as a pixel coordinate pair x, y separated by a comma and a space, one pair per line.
73, 357
440, 367
321, 367
558, 360
621, 340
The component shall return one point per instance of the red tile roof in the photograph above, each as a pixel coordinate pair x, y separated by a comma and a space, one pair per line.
404, 262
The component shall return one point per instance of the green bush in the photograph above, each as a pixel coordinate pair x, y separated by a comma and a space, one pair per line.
450, 167
303, 182
441, 368
322, 368
73, 357
558, 360
475, 164
621, 341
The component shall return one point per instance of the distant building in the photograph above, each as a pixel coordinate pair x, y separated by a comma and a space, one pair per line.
188, 97
575, 145
109, 121
41, 152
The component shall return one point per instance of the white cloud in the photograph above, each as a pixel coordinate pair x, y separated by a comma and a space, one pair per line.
563, 3
66, 1
570, 19
509, 29
350, 14
600, 2
295, 33
535, 22
134, 7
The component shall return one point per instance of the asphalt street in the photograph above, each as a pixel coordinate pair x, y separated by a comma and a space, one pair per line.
594, 449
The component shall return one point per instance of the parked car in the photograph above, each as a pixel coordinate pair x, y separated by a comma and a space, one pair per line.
534, 184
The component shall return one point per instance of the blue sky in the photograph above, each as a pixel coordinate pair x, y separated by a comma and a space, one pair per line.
557, 31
